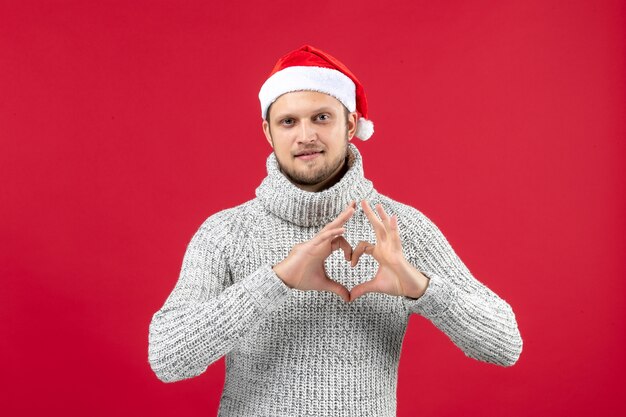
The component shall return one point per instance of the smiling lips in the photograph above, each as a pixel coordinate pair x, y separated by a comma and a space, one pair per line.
308, 155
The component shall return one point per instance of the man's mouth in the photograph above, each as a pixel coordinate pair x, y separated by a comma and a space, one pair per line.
308, 154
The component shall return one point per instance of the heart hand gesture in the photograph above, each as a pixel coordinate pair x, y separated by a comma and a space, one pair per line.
303, 268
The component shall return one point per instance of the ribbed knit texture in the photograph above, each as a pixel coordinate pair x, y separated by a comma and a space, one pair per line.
309, 353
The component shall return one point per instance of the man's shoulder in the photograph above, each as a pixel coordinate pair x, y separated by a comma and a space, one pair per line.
403, 210
411, 221
221, 228
227, 217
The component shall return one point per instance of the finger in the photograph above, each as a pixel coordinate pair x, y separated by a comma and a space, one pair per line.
394, 222
363, 288
393, 232
333, 286
341, 242
343, 217
361, 248
328, 234
383, 215
378, 226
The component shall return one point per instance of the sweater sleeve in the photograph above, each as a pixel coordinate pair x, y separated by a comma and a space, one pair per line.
206, 314
475, 318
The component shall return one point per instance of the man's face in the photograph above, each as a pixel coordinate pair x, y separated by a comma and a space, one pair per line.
309, 133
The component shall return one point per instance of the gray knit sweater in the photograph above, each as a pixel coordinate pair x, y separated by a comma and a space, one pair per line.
309, 353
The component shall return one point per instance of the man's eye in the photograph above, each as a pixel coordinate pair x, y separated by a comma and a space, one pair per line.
286, 121
323, 116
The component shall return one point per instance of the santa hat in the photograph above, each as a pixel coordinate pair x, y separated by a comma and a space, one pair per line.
308, 68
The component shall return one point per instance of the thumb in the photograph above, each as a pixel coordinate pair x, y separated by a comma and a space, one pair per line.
363, 288
337, 288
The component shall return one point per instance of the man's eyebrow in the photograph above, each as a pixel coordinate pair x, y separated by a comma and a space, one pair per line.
318, 110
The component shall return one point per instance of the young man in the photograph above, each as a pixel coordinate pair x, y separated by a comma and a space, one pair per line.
308, 325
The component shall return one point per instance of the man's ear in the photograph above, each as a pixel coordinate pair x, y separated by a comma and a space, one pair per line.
352, 124
266, 131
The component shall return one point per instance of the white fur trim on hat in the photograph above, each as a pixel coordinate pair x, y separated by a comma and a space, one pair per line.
297, 78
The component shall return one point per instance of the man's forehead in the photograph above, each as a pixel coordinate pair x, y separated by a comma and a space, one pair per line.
296, 110
306, 102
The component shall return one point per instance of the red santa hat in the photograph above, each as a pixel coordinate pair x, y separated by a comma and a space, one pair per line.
308, 68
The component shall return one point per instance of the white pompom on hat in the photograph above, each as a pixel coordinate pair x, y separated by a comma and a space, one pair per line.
309, 68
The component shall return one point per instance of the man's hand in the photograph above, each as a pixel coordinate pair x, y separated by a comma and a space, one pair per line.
395, 275
303, 268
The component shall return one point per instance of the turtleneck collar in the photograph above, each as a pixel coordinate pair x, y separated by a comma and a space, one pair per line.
305, 208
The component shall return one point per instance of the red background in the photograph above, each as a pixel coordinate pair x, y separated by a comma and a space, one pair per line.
124, 125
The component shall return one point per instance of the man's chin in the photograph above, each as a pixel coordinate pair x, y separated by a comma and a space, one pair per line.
305, 180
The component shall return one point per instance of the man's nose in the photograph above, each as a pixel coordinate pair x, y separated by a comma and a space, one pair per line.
307, 132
